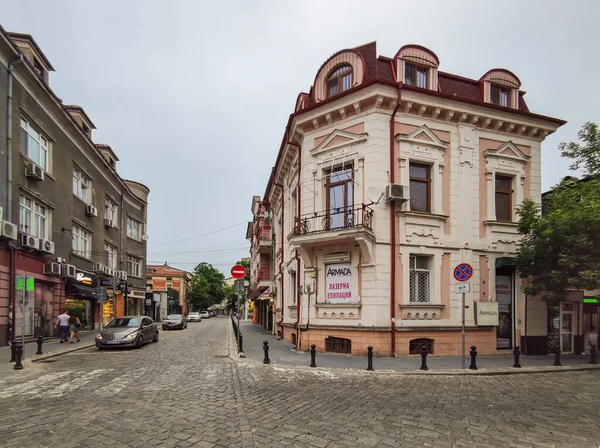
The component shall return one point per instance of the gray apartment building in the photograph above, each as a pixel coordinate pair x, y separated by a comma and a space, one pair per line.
73, 231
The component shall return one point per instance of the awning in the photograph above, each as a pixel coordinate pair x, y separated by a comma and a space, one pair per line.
80, 292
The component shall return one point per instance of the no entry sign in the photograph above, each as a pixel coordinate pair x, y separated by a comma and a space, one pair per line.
463, 272
238, 271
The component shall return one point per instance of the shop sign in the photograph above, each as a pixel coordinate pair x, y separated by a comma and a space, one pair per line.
338, 283
504, 293
486, 313
85, 279
591, 300
138, 294
506, 262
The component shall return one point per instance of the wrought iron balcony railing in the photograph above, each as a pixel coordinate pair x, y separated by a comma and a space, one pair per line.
335, 219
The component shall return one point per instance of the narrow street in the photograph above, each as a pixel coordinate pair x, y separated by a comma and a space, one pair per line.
186, 391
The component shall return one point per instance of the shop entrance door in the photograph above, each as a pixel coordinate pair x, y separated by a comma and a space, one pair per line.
566, 328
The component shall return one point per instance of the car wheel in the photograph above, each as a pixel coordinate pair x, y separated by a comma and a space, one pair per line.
155, 337
140, 342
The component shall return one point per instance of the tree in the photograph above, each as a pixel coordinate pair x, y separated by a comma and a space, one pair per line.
207, 287
559, 250
246, 263
231, 298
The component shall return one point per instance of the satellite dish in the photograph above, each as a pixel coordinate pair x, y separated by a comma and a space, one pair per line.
145, 237
374, 194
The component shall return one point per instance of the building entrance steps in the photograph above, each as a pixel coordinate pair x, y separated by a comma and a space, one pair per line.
282, 352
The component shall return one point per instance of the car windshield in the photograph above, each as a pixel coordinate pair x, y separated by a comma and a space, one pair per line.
125, 322
194, 313
174, 316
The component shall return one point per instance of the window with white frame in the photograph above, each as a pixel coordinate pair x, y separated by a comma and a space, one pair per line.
134, 266
34, 145
499, 95
134, 229
82, 185
111, 211
293, 287
82, 242
420, 279
415, 75
111, 256
33, 218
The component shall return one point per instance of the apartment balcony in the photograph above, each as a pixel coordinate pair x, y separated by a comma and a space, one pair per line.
263, 240
346, 225
263, 281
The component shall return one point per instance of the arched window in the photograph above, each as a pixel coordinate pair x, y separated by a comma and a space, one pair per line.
339, 80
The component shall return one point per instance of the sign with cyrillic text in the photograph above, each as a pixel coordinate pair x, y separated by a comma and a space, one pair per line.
338, 283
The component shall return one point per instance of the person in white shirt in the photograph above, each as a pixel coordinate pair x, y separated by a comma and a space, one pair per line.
62, 321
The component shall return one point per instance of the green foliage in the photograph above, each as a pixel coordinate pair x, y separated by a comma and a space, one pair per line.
560, 249
231, 298
246, 263
207, 287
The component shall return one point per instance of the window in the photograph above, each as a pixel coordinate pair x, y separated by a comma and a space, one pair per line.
111, 256
340, 198
415, 75
499, 95
339, 80
293, 287
414, 346
82, 186
419, 279
34, 145
134, 266
111, 211
82, 242
420, 187
33, 218
503, 198
134, 229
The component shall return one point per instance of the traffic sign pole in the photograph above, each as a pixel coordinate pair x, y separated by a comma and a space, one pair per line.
463, 331
462, 273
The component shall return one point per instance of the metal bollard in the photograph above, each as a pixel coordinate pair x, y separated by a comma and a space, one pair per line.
593, 353
40, 341
13, 348
473, 354
424, 358
19, 354
266, 350
557, 357
517, 353
370, 358
313, 354
241, 344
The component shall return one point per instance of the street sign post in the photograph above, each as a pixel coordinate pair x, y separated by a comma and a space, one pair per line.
238, 272
462, 273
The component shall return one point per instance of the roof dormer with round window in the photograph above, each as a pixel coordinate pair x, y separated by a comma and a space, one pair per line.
501, 87
417, 66
341, 72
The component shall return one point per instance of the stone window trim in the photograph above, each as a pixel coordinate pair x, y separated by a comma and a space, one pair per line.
80, 223
34, 217
435, 271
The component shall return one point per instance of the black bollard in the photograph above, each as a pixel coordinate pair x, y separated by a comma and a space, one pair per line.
13, 348
517, 353
241, 344
424, 358
593, 354
370, 358
40, 341
266, 350
19, 354
557, 357
473, 354
313, 354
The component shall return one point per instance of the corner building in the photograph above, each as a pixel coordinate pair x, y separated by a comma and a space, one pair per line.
390, 173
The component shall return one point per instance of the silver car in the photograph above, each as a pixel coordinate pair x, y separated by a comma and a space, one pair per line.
174, 321
194, 316
128, 331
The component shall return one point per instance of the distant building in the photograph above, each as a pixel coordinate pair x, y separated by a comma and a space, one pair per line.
175, 282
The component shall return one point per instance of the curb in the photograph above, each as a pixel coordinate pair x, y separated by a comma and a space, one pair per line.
452, 372
62, 352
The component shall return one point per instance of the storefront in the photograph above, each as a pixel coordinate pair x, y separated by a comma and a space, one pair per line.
81, 298
591, 316
136, 302
505, 293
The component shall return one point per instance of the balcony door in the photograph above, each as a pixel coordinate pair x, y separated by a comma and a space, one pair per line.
340, 199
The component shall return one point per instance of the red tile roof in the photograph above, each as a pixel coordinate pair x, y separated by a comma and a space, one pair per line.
164, 269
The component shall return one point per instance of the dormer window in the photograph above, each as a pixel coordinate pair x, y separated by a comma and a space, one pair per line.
339, 80
415, 75
499, 95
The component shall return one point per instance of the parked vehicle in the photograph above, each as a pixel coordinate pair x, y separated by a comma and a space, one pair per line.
194, 316
174, 321
204, 315
127, 331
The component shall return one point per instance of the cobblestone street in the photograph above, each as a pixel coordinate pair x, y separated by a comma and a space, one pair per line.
185, 391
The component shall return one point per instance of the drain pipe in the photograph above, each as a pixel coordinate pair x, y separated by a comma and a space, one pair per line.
393, 228
281, 262
297, 223
9, 173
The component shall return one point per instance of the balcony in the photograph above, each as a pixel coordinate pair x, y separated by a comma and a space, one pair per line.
263, 281
263, 240
336, 226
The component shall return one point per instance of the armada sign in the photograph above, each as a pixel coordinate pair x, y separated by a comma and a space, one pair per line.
486, 314
338, 283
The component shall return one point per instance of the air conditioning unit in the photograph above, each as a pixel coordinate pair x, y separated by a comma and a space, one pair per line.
108, 271
109, 223
52, 269
9, 230
30, 242
46, 246
91, 210
99, 268
67, 270
396, 193
33, 171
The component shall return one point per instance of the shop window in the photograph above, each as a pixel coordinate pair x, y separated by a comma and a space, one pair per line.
415, 346
420, 288
338, 345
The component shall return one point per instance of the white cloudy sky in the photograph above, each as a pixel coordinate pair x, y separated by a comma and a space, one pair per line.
193, 96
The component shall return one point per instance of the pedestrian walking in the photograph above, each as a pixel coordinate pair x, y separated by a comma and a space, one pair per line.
62, 322
75, 327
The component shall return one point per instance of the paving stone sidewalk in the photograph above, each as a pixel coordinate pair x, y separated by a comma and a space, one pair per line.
281, 352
